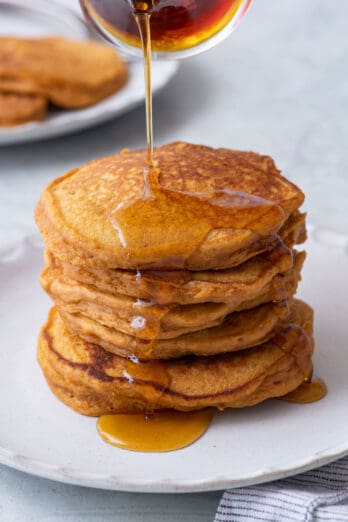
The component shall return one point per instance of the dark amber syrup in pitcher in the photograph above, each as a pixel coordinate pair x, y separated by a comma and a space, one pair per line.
175, 24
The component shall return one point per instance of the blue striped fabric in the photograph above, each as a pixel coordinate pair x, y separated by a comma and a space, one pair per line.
315, 496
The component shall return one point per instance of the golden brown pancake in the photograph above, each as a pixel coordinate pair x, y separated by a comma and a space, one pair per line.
16, 109
238, 331
234, 285
76, 213
95, 382
15, 84
146, 320
71, 74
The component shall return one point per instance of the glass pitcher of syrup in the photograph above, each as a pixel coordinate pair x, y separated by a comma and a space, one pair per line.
179, 28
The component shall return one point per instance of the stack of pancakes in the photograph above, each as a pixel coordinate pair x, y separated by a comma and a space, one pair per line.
157, 316
69, 74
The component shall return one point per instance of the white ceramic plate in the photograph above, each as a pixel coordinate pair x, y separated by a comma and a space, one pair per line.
42, 17
40, 435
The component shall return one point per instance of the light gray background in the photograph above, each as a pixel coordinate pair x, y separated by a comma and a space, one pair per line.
279, 85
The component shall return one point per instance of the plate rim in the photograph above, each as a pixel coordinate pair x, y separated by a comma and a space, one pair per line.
110, 482
73, 476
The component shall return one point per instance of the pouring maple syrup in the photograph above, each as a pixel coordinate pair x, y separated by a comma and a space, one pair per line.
142, 14
162, 208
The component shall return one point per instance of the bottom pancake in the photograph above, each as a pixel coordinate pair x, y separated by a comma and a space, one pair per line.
95, 382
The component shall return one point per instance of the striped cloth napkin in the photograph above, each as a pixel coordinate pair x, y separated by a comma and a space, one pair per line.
318, 495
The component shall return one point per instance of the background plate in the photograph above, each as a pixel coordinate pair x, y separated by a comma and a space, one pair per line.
40, 435
42, 17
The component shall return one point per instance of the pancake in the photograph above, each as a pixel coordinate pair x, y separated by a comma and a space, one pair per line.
17, 109
238, 331
234, 285
148, 320
94, 382
71, 74
16, 84
238, 198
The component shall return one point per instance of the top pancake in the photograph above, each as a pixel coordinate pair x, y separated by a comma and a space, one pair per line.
76, 213
71, 74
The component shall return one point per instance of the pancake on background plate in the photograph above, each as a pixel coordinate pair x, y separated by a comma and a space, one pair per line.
21, 108
66, 73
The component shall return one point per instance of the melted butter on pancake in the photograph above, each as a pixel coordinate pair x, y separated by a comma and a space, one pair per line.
158, 432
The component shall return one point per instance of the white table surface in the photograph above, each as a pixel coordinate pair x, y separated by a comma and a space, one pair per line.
279, 85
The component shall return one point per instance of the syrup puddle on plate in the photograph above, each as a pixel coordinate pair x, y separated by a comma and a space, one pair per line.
158, 432
307, 392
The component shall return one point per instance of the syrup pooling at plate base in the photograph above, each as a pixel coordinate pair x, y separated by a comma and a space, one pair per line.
307, 392
164, 431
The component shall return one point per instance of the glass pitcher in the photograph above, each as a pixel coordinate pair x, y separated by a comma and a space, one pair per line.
179, 28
